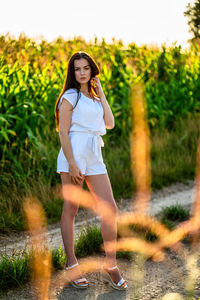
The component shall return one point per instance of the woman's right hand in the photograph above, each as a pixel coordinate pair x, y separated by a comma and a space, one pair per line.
75, 174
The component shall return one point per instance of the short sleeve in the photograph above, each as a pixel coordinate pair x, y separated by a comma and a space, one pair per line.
70, 95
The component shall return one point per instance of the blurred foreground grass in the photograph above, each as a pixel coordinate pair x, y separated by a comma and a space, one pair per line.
15, 269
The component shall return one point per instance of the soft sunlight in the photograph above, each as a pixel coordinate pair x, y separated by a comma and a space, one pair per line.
142, 22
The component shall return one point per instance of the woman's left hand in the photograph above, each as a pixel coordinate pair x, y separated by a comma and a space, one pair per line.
97, 86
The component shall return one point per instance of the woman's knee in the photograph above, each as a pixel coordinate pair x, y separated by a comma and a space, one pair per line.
114, 208
110, 207
69, 209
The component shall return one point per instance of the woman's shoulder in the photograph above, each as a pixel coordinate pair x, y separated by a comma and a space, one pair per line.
71, 91
70, 95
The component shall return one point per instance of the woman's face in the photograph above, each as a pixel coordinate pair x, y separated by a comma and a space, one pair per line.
82, 70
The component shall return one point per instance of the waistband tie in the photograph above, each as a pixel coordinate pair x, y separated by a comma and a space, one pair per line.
97, 142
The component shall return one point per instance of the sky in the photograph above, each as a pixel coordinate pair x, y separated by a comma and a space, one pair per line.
141, 21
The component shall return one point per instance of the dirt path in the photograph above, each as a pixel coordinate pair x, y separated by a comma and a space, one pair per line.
176, 193
159, 278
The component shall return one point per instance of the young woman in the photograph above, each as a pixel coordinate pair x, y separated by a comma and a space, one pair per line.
82, 115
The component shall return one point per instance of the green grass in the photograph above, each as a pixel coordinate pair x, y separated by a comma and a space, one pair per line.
125, 254
11, 221
53, 210
89, 241
58, 258
15, 270
173, 215
174, 153
167, 223
141, 232
173, 158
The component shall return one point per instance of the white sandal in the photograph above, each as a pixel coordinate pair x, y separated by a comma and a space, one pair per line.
121, 285
81, 283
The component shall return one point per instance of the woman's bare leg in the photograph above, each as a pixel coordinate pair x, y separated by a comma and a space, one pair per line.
67, 220
100, 187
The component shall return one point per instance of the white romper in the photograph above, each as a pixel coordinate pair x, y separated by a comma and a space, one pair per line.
87, 126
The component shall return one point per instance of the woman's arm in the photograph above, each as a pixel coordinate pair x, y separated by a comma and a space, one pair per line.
108, 115
65, 116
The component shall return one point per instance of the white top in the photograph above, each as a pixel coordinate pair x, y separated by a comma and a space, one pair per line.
87, 116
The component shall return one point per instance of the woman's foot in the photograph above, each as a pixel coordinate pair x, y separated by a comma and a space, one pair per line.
75, 277
112, 275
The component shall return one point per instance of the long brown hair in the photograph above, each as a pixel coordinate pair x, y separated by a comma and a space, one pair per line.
70, 81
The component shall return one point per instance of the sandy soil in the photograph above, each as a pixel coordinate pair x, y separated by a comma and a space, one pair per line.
159, 279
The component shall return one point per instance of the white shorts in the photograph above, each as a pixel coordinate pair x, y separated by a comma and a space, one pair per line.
86, 149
